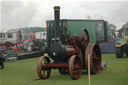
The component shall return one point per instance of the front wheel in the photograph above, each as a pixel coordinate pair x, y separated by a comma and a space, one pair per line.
75, 67
42, 70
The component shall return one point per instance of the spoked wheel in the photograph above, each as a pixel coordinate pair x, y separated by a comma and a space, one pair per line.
42, 70
75, 67
84, 38
95, 58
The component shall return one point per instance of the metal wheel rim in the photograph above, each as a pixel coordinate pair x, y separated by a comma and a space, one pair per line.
75, 67
42, 71
95, 58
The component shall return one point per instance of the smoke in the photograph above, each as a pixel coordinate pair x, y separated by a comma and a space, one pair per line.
16, 14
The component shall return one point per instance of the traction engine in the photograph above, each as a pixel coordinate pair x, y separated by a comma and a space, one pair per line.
68, 54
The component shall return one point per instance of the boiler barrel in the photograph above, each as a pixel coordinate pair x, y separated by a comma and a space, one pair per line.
71, 50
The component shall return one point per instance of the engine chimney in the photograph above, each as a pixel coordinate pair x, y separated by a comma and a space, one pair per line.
57, 19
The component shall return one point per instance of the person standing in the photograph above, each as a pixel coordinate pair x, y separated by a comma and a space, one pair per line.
1, 59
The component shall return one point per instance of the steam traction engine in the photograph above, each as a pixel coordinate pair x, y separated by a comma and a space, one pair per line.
68, 54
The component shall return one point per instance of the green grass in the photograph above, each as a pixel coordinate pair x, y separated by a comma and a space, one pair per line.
23, 72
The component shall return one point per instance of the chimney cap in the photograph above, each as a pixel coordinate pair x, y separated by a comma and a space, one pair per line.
56, 7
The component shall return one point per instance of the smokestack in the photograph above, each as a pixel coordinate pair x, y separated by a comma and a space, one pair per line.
57, 19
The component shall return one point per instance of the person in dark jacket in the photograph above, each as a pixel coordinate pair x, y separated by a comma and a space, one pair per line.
1, 59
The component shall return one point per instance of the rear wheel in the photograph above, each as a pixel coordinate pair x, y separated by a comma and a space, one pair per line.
119, 52
95, 58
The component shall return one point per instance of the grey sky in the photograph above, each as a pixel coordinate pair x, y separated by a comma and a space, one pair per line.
19, 13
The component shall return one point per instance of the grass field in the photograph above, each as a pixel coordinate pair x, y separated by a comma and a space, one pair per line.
23, 72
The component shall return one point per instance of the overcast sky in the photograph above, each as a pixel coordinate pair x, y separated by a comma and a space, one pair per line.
29, 13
